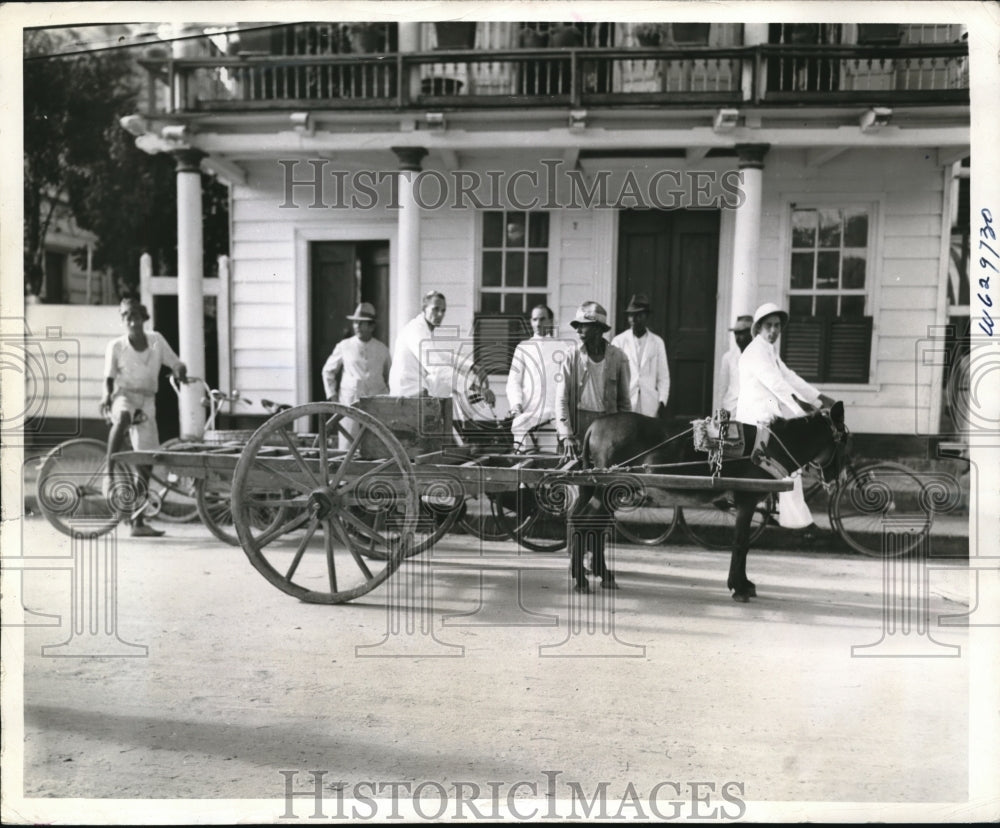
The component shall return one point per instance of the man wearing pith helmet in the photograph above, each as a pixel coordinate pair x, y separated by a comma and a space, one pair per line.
770, 389
647, 360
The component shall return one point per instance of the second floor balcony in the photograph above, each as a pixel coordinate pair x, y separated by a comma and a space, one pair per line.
328, 66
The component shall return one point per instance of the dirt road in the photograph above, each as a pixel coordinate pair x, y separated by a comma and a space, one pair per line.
667, 690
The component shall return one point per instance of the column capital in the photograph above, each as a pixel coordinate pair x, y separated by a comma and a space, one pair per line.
188, 159
409, 157
751, 156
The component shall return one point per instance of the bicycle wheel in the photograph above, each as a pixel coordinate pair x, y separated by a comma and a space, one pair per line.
71, 485
880, 510
175, 496
712, 525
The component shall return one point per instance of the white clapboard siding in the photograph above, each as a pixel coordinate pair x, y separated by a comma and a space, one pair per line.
71, 341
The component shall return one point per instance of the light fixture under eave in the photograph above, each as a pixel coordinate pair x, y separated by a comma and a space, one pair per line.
725, 120
872, 120
578, 119
302, 123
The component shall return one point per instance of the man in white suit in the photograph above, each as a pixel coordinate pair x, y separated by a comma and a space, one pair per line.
647, 358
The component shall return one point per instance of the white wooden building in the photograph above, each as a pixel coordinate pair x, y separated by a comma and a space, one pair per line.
814, 165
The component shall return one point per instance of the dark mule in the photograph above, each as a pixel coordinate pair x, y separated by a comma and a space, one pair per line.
631, 440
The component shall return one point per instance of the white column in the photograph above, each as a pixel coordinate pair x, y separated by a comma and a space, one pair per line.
404, 290
409, 41
190, 295
746, 230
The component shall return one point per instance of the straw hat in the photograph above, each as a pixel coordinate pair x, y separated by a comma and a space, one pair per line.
638, 303
591, 312
365, 312
743, 323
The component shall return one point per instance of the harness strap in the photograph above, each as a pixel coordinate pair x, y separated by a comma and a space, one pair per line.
620, 466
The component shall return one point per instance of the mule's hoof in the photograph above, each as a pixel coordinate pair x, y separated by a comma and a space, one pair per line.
741, 597
610, 583
584, 587
752, 590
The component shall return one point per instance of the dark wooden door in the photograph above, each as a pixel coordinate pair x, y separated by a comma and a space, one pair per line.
673, 257
343, 274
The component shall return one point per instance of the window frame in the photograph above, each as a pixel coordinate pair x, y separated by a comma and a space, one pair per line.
551, 290
874, 203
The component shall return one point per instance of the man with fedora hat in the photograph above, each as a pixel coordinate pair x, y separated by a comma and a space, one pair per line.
729, 376
132, 364
358, 366
770, 389
595, 379
647, 360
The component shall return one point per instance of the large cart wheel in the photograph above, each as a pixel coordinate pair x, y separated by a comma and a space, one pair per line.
213, 501
172, 496
324, 486
71, 488
712, 525
873, 494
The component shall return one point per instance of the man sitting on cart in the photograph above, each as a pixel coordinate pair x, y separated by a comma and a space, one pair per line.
132, 365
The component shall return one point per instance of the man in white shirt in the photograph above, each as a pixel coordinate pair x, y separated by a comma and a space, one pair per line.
358, 366
729, 376
769, 389
411, 375
532, 382
132, 373
647, 358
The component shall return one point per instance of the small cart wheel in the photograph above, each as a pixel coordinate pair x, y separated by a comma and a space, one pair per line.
213, 500
71, 489
296, 452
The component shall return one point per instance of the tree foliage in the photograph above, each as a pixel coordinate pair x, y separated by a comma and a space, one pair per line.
76, 149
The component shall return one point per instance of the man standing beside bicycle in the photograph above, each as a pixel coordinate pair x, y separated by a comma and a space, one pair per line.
132, 365
768, 389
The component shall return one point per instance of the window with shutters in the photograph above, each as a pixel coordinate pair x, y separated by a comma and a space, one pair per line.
514, 277
829, 333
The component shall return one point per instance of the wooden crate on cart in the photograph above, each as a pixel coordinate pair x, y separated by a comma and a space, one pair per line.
421, 424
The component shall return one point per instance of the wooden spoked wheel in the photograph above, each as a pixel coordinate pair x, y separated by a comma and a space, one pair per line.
75, 493
713, 525
213, 500
322, 489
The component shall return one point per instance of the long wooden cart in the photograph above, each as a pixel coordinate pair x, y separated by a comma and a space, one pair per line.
339, 521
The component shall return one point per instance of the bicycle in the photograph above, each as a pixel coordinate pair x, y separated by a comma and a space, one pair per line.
75, 489
857, 506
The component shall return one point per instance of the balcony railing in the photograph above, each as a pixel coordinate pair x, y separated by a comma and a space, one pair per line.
584, 77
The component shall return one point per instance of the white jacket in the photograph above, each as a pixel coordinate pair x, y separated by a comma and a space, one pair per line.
364, 366
767, 386
533, 379
729, 378
650, 374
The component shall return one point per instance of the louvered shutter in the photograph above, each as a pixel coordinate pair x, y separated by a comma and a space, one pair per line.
803, 346
849, 351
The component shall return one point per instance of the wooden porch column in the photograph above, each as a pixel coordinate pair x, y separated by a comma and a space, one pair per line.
190, 291
746, 230
404, 290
